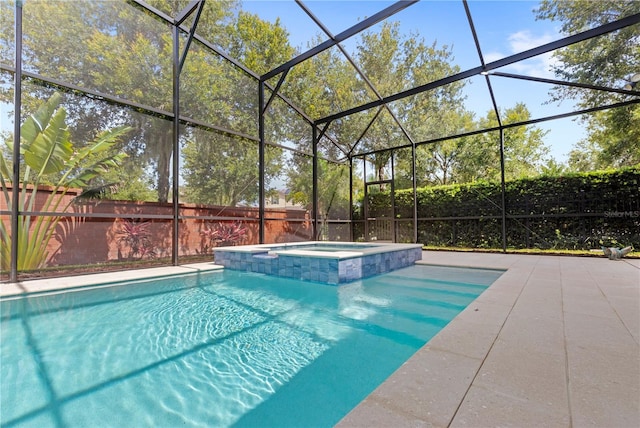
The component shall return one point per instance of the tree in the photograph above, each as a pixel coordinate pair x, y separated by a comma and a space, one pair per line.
333, 186
135, 63
333, 189
394, 62
607, 61
553, 168
437, 163
258, 44
524, 149
113, 47
221, 170
58, 51
613, 141
90, 50
327, 83
320, 86
474, 158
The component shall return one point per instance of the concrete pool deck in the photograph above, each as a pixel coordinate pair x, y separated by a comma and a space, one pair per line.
68, 282
553, 342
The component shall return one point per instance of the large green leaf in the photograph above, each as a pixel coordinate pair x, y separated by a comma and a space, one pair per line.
4, 168
51, 149
96, 170
38, 121
104, 141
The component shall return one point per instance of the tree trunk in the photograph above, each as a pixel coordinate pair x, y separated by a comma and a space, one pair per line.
165, 150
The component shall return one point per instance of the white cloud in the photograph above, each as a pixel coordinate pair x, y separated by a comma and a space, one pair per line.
493, 56
538, 66
523, 40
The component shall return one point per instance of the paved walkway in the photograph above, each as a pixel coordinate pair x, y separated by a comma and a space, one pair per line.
553, 342
80, 281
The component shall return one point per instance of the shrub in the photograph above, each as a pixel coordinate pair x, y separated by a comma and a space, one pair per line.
573, 211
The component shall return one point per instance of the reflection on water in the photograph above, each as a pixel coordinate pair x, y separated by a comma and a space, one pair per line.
355, 303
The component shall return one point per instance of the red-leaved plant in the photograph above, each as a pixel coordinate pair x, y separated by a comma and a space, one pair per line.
221, 235
134, 236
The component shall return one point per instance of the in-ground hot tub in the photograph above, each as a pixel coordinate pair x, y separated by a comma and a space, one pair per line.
322, 261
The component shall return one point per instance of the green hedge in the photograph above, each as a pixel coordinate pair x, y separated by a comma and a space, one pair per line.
573, 211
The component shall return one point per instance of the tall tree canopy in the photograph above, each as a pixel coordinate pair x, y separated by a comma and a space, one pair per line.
395, 62
525, 153
608, 61
474, 158
115, 48
109, 47
218, 169
391, 62
221, 170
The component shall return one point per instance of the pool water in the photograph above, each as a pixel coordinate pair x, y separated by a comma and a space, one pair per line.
224, 348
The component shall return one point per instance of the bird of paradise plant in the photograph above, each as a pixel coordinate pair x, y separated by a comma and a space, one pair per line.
47, 151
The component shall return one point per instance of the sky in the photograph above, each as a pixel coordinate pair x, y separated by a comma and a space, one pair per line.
503, 27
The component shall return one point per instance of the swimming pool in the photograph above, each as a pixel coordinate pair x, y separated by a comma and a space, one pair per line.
218, 349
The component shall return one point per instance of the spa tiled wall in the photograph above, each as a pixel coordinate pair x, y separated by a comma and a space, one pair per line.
321, 269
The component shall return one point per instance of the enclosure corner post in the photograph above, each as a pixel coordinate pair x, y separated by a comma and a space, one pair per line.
176, 145
351, 231
17, 103
365, 204
314, 192
261, 162
414, 185
394, 225
503, 192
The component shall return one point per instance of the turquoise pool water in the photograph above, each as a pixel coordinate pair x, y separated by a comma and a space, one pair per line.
225, 348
